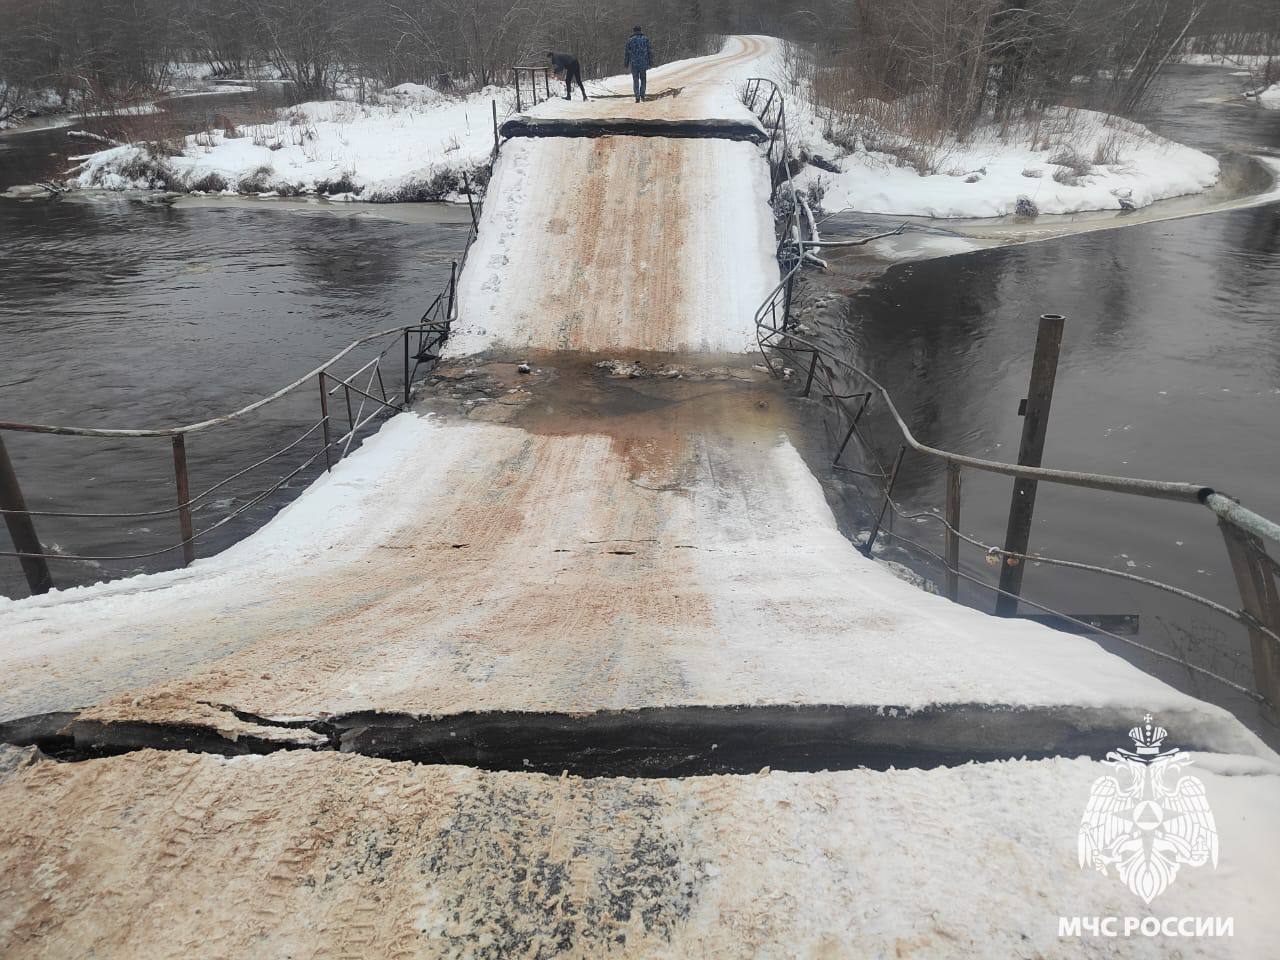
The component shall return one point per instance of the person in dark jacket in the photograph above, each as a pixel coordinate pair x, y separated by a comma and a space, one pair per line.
566, 65
639, 58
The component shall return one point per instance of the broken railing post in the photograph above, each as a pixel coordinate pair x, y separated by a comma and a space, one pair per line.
952, 535
22, 529
853, 427
183, 484
888, 500
813, 368
324, 421
1044, 371
1255, 572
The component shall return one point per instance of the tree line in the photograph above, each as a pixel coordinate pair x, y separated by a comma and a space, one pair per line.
963, 59
952, 64
123, 45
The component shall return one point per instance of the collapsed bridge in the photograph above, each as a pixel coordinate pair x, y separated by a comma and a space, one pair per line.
590, 550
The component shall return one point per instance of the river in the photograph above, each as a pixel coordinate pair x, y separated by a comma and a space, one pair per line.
134, 312
1170, 369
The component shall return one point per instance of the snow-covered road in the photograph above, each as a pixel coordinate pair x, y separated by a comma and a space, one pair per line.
577, 542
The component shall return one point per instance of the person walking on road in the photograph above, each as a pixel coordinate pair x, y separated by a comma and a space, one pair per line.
639, 58
566, 65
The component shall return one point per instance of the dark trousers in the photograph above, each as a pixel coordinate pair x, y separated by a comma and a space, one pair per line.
639, 80
572, 74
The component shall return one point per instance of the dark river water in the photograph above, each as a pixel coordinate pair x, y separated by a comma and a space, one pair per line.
1170, 369
132, 313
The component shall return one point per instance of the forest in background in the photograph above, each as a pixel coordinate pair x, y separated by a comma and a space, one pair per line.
946, 64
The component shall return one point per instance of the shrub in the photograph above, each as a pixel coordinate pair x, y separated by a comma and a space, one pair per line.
154, 172
344, 184
210, 183
1074, 163
257, 182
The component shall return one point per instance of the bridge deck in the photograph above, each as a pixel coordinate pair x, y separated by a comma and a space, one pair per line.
580, 569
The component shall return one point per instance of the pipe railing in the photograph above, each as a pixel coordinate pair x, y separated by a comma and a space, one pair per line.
1245, 533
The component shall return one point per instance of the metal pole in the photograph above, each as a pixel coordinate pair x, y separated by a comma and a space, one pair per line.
952, 543
494, 103
1260, 600
853, 428
786, 303
466, 185
324, 419
813, 366
1044, 371
453, 283
184, 499
407, 374
888, 496
22, 528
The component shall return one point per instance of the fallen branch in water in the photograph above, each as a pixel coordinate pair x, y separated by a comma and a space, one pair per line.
92, 137
860, 242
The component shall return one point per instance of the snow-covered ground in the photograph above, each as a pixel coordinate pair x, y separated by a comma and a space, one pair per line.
394, 147
1098, 161
1270, 97
1232, 61
1074, 160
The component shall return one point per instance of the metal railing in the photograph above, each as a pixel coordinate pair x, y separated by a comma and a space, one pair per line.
1245, 533
364, 395
517, 72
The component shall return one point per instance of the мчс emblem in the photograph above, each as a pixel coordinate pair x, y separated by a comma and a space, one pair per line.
1148, 819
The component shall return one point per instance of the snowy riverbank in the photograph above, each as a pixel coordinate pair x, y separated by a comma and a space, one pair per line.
1070, 161
408, 143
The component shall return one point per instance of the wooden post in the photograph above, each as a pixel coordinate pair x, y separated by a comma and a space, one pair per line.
324, 418
22, 529
1044, 371
952, 549
183, 482
1261, 601
546, 81
496, 141
519, 108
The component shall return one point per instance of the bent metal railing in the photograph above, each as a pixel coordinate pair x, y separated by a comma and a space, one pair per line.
1245, 533
365, 396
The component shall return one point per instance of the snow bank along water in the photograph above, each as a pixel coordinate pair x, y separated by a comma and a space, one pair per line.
409, 143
